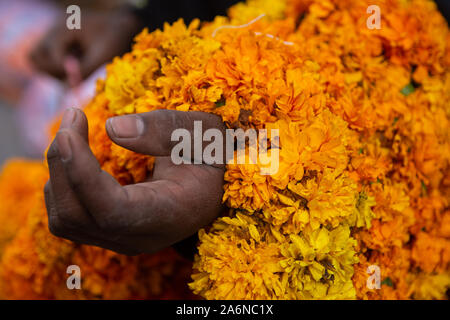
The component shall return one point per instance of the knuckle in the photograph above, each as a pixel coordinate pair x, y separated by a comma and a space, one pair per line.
52, 152
55, 227
66, 213
173, 119
77, 182
81, 178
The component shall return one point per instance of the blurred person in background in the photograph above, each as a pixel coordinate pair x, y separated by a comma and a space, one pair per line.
109, 33
46, 67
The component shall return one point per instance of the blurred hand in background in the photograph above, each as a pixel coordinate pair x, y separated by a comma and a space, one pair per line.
103, 35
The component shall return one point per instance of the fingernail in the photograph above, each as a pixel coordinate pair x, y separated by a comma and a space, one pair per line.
68, 118
126, 127
64, 146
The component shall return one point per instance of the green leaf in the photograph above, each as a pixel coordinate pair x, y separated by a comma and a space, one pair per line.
387, 282
408, 89
424, 188
221, 102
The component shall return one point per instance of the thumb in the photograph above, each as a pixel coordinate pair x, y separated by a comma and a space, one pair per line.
151, 133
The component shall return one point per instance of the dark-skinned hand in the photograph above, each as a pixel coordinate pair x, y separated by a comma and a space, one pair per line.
103, 36
88, 206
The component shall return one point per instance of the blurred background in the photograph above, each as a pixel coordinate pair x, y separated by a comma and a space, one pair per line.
10, 141
31, 99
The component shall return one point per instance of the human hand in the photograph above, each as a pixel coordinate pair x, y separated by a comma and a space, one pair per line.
88, 206
103, 35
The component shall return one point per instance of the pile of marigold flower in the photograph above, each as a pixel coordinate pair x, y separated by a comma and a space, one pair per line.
364, 177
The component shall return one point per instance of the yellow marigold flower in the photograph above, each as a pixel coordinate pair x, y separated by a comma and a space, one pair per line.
431, 253
246, 11
319, 262
364, 170
429, 287
240, 261
20, 180
363, 214
246, 188
331, 197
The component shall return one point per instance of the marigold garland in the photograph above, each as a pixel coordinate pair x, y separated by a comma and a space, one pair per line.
364, 174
